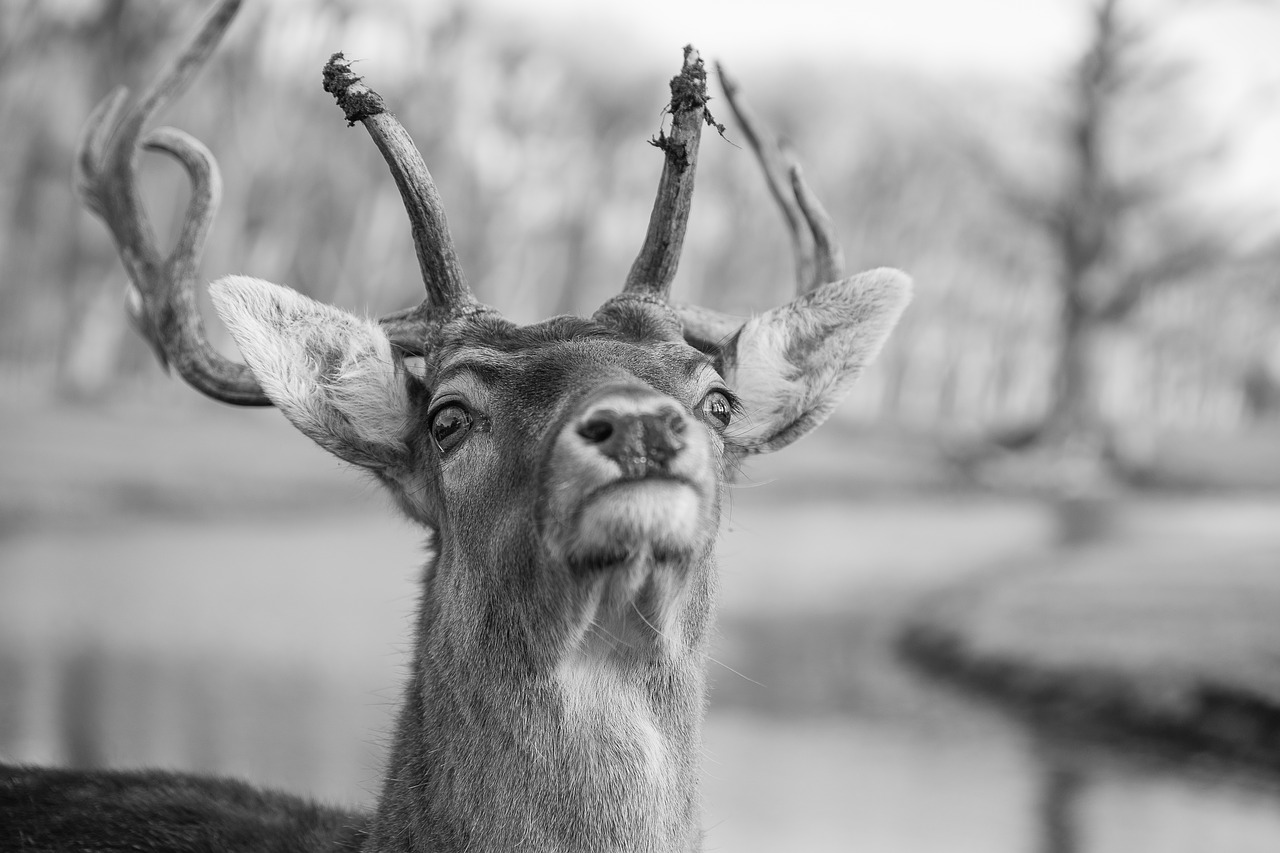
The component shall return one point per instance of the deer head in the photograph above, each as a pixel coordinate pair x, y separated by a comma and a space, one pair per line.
571, 472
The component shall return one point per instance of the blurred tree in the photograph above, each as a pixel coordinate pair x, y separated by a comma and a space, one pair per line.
1120, 220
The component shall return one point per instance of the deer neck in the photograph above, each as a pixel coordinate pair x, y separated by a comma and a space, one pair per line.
551, 717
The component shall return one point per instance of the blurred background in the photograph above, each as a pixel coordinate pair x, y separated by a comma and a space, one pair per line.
1061, 479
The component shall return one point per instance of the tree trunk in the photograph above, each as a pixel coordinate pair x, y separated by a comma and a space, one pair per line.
1060, 807
1074, 414
1077, 434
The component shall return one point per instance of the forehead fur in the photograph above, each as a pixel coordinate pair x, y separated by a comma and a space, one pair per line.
489, 344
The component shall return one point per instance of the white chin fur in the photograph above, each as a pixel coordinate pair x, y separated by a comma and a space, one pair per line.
663, 514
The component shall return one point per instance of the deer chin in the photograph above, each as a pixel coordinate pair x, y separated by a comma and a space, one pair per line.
630, 616
637, 522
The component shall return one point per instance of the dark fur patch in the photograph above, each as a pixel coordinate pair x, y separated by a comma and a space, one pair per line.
154, 812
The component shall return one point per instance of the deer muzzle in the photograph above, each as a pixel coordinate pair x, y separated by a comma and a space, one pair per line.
630, 476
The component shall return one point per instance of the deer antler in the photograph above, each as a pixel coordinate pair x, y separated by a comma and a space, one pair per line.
447, 292
162, 298
162, 301
655, 266
818, 256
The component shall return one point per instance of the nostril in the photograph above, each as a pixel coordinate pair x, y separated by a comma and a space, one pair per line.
596, 430
676, 422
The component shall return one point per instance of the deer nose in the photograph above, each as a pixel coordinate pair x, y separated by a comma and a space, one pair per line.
641, 436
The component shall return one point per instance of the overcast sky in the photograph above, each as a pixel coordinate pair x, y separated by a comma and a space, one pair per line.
939, 34
1010, 36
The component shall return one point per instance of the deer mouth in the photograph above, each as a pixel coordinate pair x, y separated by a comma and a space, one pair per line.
653, 519
642, 486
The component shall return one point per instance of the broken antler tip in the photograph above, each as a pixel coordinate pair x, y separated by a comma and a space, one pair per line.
689, 87
357, 100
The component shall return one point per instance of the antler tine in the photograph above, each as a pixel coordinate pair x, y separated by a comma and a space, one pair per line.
447, 291
817, 253
828, 257
180, 324
91, 153
179, 75
776, 170
655, 267
162, 300
206, 195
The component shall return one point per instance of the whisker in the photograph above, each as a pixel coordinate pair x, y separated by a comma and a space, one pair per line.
618, 641
645, 620
754, 485
735, 672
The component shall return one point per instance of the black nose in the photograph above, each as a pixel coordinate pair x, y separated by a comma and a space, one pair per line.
642, 442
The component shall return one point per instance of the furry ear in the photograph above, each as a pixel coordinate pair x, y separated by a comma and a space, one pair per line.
791, 365
331, 373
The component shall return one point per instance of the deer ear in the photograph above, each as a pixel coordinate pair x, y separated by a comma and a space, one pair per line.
331, 373
791, 365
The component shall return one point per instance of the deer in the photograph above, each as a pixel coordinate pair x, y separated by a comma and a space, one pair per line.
571, 475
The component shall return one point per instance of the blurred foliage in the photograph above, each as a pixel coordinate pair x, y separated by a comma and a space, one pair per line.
543, 166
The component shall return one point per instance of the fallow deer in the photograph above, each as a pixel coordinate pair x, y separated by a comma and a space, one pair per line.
571, 473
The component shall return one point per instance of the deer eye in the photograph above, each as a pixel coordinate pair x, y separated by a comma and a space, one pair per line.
449, 425
717, 406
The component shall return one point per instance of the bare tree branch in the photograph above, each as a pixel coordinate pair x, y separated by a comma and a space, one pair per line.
1194, 256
